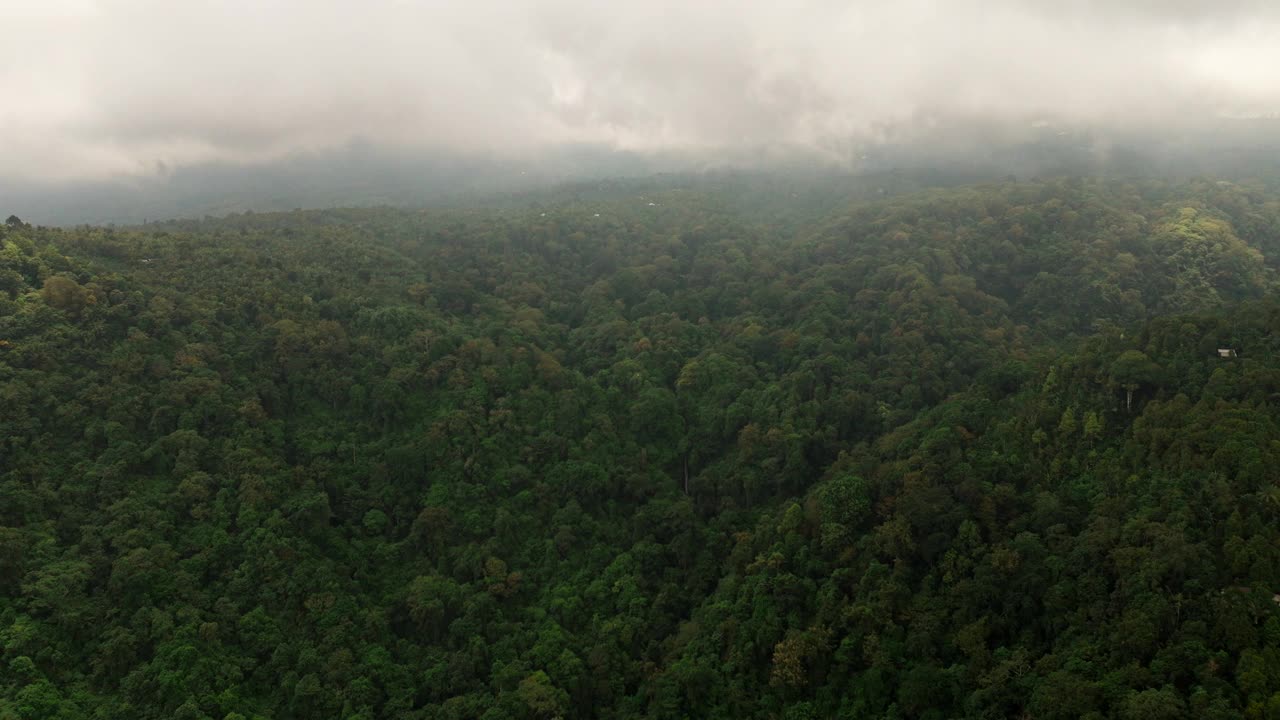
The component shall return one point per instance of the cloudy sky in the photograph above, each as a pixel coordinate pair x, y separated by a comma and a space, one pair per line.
96, 88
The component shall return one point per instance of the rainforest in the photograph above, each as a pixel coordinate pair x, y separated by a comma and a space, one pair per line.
728, 447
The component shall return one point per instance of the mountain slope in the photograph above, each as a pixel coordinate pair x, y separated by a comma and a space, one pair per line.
967, 452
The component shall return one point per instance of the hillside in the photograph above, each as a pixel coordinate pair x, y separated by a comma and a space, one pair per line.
650, 452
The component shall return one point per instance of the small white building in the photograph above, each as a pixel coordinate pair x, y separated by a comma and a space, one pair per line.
1226, 353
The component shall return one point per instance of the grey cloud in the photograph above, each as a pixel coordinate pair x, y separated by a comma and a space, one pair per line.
97, 88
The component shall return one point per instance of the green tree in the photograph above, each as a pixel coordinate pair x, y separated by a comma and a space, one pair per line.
1132, 370
1067, 424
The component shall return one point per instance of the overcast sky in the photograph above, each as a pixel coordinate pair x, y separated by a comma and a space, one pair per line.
94, 88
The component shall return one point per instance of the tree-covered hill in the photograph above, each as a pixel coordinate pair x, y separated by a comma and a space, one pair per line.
652, 451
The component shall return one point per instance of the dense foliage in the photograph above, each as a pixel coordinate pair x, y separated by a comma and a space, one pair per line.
959, 453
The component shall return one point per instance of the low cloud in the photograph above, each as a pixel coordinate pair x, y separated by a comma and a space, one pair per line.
98, 88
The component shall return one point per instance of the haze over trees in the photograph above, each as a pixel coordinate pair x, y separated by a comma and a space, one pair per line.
719, 359
726, 450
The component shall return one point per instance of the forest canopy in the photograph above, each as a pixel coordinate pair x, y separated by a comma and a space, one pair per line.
716, 450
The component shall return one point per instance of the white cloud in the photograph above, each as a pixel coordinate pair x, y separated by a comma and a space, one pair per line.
116, 86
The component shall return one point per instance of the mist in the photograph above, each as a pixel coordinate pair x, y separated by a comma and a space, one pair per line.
141, 101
